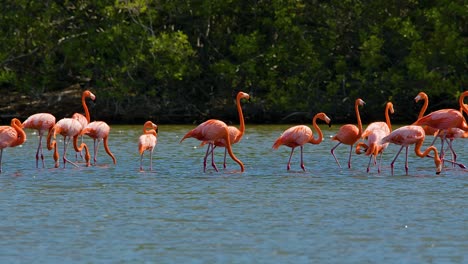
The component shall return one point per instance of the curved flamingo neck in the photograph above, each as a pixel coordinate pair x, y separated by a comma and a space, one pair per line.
241, 115
229, 149
417, 150
463, 106
106, 148
319, 132
425, 105
387, 116
16, 124
356, 108
83, 102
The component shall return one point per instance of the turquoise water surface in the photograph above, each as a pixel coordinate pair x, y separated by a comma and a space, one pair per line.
178, 214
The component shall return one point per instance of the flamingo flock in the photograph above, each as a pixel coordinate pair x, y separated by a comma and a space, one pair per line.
446, 124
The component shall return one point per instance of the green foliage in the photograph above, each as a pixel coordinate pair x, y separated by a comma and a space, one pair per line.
179, 57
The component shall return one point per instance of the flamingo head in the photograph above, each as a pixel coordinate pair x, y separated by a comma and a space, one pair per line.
242, 95
390, 107
420, 96
89, 94
360, 102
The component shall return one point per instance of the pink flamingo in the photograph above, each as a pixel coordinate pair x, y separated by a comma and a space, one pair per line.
297, 136
445, 119
99, 130
41, 122
84, 119
148, 141
69, 128
11, 136
349, 134
235, 135
374, 132
211, 131
409, 135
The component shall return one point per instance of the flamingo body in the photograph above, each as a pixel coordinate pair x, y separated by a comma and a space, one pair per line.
409, 135
298, 136
147, 142
69, 128
210, 131
99, 131
349, 134
41, 122
11, 136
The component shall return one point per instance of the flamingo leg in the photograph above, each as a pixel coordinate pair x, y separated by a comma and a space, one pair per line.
39, 152
302, 160
394, 159
96, 148
406, 161
349, 158
141, 161
380, 162
333, 153
212, 158
206, 156
225, 152
151, 160
65, 145
288, 167
368, 164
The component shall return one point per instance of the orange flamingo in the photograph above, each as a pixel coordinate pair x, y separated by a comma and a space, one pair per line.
234, 134
374, 132
84, 120
69, 128
211, 131
42, 122
297, 136
11, 136
349, 134
445, 119
99, 130
409, 135
148, 141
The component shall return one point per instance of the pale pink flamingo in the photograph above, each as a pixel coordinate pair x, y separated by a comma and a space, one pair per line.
84, 119
349, 134
235, 135
69, 128
41, 122
99, 130
297, 136
409, 135
374, 132
445, 119
147, 142
211, 131
11, 136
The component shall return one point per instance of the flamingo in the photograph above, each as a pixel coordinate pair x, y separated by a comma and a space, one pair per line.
348, 134
409, 135
374, 132
84, 119
148, 141
42, 122
211, 131
11, 136
446, 119
297, 136
69, 128
99, 130
234, 134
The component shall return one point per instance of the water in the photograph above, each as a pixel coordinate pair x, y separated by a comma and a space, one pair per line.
178, 214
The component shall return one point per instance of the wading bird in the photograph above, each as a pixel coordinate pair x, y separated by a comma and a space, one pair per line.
349, 134
297, 136
147, 142
41, 122
11, 136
